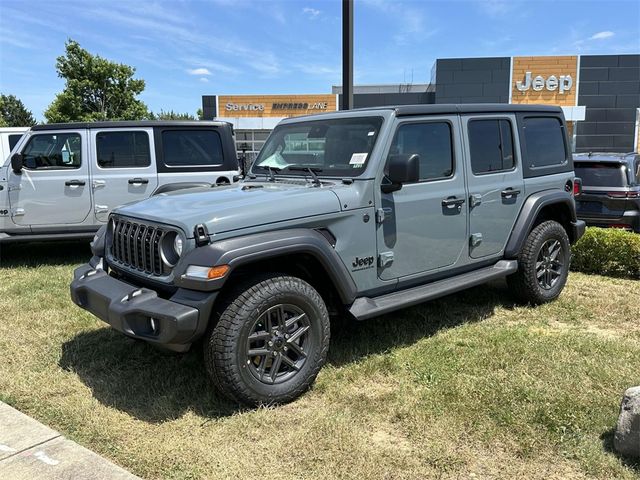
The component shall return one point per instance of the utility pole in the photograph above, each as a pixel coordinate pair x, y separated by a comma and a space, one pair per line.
347, 55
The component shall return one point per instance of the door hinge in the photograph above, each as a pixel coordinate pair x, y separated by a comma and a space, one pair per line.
101, 209
98, 183
383, 213
475, 200
17, 212
13, 188
385, 259
476, 239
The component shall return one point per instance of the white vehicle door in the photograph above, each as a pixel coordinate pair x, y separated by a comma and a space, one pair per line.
123, 169
53, 187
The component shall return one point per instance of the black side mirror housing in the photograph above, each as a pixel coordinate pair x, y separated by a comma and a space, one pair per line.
402, 169
17, 162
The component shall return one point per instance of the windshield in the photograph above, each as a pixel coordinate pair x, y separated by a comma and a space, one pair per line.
335, 147
604, 174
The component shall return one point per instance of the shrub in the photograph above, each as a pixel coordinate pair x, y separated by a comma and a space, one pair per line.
608, 251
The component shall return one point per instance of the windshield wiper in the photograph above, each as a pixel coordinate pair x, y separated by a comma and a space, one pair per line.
312, 171
271, 171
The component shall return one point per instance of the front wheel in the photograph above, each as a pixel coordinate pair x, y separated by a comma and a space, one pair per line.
270, 341
543, 264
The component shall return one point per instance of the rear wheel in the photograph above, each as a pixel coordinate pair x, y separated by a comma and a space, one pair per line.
270, 341
543, 264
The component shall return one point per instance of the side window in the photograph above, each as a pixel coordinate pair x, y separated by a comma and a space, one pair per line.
13, 140
490, 146
544, 140
432, 141
123, 149
53, 151
192, 148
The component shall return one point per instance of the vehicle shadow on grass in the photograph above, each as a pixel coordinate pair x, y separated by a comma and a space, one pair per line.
155, 387
14, 255
607, 445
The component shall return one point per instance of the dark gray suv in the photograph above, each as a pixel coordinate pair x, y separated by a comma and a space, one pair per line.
610, 189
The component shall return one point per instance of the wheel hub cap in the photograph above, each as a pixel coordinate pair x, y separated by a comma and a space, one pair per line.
278, 344
550, 264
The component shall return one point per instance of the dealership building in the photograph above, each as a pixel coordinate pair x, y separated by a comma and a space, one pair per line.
599, 94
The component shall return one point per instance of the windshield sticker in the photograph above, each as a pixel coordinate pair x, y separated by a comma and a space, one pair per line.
358, 159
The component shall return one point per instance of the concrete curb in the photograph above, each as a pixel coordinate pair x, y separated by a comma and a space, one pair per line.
30, 450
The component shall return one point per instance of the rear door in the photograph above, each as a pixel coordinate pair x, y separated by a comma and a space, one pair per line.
495, 181
123, 168
604, 190
53, 188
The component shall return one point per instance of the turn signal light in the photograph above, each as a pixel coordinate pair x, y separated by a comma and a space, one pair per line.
207, 273
217, 272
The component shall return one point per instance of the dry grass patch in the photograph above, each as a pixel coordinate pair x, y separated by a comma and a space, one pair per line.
471, 385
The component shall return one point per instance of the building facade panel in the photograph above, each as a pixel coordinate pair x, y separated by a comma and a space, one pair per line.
613, 105
533, 80
472, 80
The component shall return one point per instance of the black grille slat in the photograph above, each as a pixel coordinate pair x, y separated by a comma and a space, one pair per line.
137, 246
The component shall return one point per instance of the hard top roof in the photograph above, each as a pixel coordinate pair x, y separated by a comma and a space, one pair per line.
130, 124
443, 109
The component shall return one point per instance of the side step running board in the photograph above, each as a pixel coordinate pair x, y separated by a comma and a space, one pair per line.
365, 307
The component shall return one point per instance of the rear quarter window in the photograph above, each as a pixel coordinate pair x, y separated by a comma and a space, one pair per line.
192, 148
13, 140
545, 143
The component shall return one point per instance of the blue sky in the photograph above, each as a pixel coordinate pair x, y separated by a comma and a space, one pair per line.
184, 49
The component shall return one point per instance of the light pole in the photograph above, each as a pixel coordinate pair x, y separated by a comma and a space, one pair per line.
347, 55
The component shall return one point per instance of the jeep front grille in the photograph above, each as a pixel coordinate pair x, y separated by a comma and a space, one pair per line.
137, 246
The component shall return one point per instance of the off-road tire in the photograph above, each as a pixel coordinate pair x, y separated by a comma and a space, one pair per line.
225, 350
524, 283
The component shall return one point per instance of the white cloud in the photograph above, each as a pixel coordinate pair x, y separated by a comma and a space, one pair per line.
204, 79
312, 13
601, 35
198, 71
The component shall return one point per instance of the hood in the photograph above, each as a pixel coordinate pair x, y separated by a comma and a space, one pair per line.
232, 207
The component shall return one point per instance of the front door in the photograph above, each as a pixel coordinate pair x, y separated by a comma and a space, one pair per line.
124, 169
425, 223
496, 185
53, 187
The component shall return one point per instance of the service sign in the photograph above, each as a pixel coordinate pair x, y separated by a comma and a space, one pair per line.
274, 105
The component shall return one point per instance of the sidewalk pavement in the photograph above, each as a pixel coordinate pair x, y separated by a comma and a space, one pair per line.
31, 451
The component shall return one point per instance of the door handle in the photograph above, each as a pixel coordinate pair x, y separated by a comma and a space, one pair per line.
509, 192
452, 202
141, 181
75, 183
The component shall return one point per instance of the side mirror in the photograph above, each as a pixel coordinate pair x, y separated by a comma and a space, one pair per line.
402, 169
17, 161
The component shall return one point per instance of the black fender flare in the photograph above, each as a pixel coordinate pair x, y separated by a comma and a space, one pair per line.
530, 210
247, 249
172, 187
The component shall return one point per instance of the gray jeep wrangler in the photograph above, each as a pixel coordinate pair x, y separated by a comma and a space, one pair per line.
355, 213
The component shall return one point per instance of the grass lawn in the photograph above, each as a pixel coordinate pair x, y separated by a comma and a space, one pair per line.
468, 386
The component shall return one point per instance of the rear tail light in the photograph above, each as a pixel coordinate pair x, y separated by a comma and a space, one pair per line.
577, 186
623, 194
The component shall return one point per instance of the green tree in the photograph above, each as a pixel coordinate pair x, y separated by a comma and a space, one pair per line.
170, 115
13, 113
95, 89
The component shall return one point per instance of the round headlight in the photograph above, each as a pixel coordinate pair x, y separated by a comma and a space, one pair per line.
171, 248
177, 245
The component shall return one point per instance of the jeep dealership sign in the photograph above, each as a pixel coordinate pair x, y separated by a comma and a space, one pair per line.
561, 84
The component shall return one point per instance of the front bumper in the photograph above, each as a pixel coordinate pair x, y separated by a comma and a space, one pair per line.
140, 313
